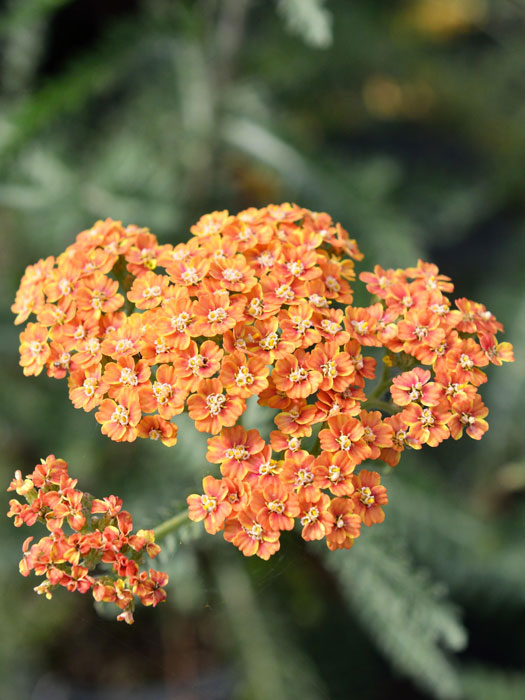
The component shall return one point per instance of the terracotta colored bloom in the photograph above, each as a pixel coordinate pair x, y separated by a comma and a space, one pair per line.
99, 294
368, 497
244, 377
217, 313
149, 587
361, 323
125, 373
233, 274
268, 472
34, 349
195, 363
124, 340
148, 290
271, 345
239, 493
429, 423
188, 273
280, 442
298, 327
330, 325
402, 297
427, 277
157, 428
334, 472
211, 409
416, 386
163, 395
347, 524
175, 317
119, 419
377, 434
298, 419
246, 533
497, 353
235, 449
144, 254
364, 366
465, 358
346, 435
86, 388
277, 291
293, 376
212, 506
276, 507
468, 414
336, 367
299, 473
420, 327
379, 281
401, 438
316, 517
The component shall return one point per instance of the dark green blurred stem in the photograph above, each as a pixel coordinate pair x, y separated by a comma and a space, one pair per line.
170, 525
386, 406
383, 384
375, 400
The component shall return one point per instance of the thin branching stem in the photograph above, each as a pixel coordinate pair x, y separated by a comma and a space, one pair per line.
171, 524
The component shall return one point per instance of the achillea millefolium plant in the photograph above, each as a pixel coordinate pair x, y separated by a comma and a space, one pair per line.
257, 304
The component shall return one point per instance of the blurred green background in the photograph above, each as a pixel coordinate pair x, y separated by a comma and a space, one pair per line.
406, 121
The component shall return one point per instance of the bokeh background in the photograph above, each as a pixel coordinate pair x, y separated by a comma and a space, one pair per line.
405, 119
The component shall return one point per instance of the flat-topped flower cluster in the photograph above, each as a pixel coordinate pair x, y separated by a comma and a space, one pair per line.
102, 533
259, 304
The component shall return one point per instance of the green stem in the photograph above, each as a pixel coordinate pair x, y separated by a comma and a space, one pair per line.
383, 384
382, 405
172, 524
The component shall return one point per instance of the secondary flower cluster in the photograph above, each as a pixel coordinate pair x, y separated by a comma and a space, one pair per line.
260, 305
102, 533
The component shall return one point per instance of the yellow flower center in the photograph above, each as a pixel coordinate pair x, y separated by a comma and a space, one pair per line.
311, 516
217, 315
332, 283
120, 415
366, 497
89, 385
360, 327
466, 362
275, 506
230, 274
329, 369
123, 345
208, 502
180, 322
295, 268
298, 375
128, 377
269, 342
239, 452
244, 377
215, 403
162, 392
344, 442
334, 473
190, 276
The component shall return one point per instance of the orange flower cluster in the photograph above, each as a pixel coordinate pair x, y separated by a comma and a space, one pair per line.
260, 305
102, 534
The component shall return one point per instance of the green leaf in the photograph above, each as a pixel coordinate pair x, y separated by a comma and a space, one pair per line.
404, 613
273, 665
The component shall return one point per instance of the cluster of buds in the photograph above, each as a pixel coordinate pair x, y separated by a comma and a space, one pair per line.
101, 554
259, 304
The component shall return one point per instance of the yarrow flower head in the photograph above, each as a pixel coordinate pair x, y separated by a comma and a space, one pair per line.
257, 304
90, 545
